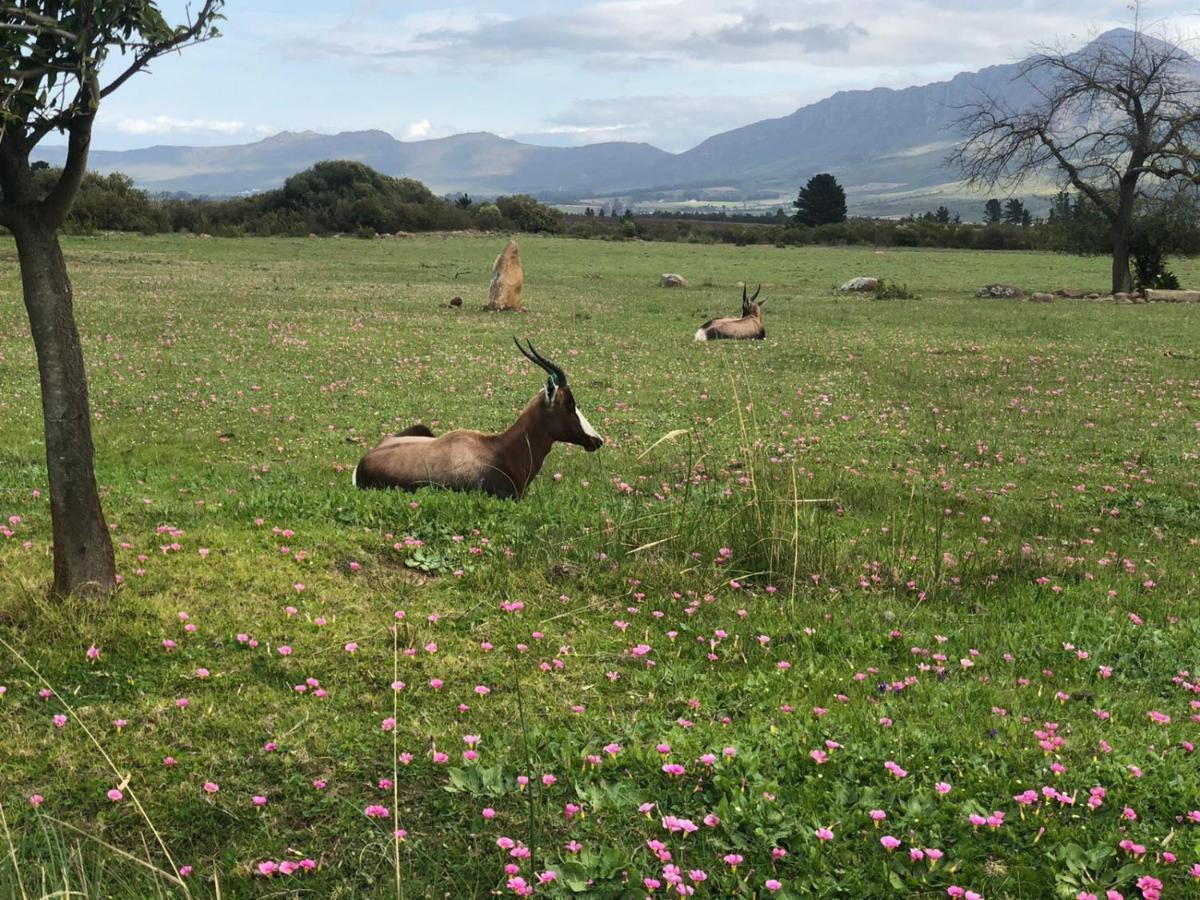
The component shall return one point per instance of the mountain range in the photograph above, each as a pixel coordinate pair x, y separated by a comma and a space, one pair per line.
887, 147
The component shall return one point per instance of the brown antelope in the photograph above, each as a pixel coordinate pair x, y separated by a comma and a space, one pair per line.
748, 327
498, 464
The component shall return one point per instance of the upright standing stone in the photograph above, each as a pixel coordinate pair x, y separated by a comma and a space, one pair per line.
507, 280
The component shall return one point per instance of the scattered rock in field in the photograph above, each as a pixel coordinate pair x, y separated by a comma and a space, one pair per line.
1000, 290
1157, 296
861, 283
566, 570
507, 280
1138, 298
312, 234
1093, 296
1042, 297
403, 234
670, 279
456, 302
1069, 293
1122, 297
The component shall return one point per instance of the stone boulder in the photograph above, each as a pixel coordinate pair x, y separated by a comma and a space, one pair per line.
456, 302
507, 280
670, 279
1070, 293
1042, 297
1157, 296
861, 284
1000, 290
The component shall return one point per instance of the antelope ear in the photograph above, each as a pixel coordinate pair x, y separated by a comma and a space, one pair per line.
551, 390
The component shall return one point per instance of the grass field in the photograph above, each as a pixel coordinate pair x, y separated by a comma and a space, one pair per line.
918, 574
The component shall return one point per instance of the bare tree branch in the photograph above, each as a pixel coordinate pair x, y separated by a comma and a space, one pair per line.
1103, 118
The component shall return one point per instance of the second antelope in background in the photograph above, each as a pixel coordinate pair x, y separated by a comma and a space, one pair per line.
748, 327
498, 464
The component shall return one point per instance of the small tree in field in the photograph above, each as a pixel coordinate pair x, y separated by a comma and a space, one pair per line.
821, 202
992, 211
1123, 109
51, 55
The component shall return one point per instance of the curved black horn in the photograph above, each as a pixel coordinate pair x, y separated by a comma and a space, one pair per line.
559, 376
756, 293
743, 293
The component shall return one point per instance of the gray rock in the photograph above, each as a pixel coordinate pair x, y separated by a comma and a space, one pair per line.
861, 283
1173, 296
1000, 290
670, 279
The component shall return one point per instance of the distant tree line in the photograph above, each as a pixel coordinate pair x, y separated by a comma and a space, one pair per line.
341, 197
335, 197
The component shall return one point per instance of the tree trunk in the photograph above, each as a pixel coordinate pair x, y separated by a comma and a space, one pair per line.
1122, 280
83, 552
1122, 238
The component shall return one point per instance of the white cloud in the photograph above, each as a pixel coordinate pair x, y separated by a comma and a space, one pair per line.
149, 125
418, 130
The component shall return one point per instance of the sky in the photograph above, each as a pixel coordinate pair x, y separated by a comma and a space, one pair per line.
567, 72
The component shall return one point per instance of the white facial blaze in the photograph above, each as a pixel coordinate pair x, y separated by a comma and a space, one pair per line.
701, 334
585, 424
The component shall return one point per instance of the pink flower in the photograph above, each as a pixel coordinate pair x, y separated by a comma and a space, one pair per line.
285, 650
733, 860
824, 834
376, 812
93, 652
942, 787
889, 843
60, 720
211, 787
773, 885
36, 800
115, 795
259, 800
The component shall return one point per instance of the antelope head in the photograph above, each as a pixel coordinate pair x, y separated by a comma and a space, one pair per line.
562, 419
749, 305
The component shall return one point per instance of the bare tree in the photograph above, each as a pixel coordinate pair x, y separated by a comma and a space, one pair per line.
1124, 107
51, 54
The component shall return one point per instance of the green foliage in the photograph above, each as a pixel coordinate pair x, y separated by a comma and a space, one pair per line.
992, 211
528, 214
822, 201
890, 290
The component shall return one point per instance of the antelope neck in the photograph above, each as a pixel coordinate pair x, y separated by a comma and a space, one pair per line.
523, 446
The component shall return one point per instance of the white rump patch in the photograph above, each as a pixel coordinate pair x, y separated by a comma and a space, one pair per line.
701, 335
586, 425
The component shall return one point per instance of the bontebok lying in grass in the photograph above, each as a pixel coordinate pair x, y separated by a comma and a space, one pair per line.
499, 464
748, 327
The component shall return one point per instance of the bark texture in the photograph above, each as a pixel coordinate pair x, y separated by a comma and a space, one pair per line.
83, 551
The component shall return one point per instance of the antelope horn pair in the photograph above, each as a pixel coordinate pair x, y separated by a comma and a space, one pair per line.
557, 376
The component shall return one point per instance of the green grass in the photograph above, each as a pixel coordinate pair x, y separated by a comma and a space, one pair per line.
897, 484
